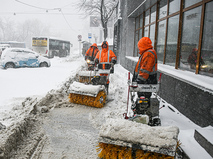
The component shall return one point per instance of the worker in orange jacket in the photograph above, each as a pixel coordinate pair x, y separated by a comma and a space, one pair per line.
91, 52
146, 67
105, 56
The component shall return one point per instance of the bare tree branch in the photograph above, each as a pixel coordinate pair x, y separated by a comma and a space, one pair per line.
104, 8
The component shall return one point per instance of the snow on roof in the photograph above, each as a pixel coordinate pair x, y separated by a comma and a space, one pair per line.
49, 37
133, 132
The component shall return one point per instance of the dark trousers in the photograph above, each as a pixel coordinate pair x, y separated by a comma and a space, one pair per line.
151, 80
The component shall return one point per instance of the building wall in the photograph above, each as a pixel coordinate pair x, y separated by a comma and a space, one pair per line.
193, 102
127, 27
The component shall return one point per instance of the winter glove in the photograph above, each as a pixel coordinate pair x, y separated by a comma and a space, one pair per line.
96, 61
139, 81
113, 61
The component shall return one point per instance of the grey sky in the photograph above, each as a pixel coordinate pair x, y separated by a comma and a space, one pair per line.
67, 23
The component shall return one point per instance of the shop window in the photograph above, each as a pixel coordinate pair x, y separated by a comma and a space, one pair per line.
147, 17
188, 3
206, 60
141, 20
136, 44
152, 34
146, 31
161, 40
172, 36
190, 38
163, 9
153, 13
174, 6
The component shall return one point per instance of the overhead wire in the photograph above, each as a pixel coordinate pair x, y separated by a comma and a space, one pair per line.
32, 5
66, 21
47, 9
70, 14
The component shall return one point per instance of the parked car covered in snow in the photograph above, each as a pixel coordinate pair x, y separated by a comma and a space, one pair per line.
2, 47
22, 57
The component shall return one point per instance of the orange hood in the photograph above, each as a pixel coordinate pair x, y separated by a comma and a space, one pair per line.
94, 45
144, 44
105, 49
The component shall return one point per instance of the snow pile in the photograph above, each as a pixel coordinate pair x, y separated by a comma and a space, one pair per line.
86, 73
133, 132
81, 88
45, 85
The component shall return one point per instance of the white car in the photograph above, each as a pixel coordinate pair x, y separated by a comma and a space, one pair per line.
22, 57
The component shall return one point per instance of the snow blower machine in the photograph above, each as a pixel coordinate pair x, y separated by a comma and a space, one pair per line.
93, 92
85, 76
139, 136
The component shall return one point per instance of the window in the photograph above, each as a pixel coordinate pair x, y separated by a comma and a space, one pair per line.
161, 40
136, 44
153, 13
206, 61
137, 22
146, 32
163, 9
174, 6
152, 34
141, 20
147, 17
16, 50
172, 37
190, 38
140, 34
190, 2
182, 34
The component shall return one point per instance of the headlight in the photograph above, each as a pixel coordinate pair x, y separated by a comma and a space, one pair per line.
88, 61
204, 66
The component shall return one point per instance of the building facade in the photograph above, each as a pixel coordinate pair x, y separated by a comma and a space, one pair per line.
182, 33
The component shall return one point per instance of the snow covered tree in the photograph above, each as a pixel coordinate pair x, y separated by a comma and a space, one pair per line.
23, 31
7, 30
104, 8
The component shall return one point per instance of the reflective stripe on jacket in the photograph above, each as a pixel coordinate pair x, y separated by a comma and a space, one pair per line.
105, 55
146, 65
92, 51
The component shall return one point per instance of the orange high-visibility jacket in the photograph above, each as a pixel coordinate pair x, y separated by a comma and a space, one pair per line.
104, 55
92, 51
147, 63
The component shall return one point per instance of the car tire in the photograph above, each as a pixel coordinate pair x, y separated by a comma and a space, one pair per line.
9, 65
43, 64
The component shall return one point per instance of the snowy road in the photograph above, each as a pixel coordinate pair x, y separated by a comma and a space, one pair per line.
70, 134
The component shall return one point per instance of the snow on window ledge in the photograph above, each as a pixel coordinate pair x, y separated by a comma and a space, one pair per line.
200, 81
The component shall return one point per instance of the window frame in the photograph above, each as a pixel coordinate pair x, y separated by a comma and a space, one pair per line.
180, 12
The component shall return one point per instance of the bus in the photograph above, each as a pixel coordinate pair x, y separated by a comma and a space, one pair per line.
13, 44
50, 47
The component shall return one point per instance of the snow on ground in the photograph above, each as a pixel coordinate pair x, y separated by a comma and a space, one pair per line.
17, 84
118, 91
